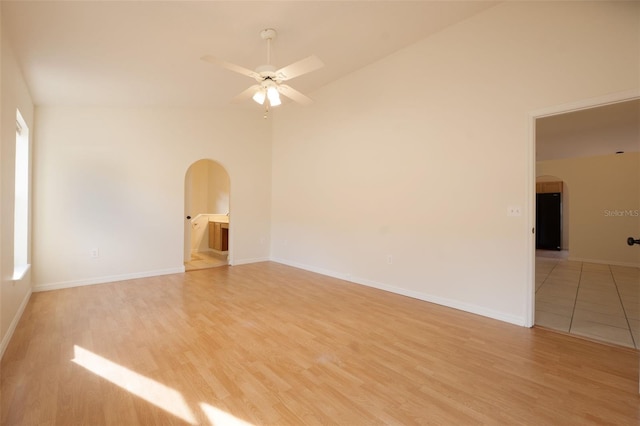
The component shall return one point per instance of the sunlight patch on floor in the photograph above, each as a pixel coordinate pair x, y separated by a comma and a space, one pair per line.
151, 391
218, 417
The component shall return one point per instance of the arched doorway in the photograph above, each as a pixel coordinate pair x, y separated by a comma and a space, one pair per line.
207, 215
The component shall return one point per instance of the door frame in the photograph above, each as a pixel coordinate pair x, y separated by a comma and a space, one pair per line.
628, 95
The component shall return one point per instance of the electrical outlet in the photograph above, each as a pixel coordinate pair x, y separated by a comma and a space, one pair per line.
389, 259
514, 211
95, 253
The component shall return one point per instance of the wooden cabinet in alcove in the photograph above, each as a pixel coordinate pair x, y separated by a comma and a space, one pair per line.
219, 236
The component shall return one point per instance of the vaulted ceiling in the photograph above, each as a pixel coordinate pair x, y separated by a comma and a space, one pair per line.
147, 53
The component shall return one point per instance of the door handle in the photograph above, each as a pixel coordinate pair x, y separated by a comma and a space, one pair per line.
631, 241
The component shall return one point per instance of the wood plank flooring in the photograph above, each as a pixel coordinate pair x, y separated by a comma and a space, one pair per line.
270, 344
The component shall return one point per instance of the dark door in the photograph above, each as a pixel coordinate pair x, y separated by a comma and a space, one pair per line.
549, 221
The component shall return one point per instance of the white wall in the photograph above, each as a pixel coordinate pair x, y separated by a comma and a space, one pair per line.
113, 179
605, 205
219, 187
13, 94
209, 187
418, 156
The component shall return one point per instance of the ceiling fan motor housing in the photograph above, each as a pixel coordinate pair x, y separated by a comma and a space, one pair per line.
266, 71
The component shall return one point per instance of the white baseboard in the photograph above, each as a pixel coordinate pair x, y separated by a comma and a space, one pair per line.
209, 251
605, 262
321, 271
14, 323
218, 252
450, 303
106, 279
247, 261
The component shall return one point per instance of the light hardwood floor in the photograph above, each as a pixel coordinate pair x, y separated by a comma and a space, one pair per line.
269, 344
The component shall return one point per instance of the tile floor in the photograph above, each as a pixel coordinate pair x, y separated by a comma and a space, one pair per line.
204, 260
592, 300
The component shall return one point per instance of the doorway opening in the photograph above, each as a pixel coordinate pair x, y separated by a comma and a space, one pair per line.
207, 216
552, 217
585, 281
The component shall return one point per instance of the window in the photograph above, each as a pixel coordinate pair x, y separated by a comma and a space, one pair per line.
21, 205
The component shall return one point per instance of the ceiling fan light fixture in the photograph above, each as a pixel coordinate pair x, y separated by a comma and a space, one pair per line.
274, 96
260, 96
269, 87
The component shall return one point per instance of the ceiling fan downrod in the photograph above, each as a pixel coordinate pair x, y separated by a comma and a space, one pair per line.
269, 34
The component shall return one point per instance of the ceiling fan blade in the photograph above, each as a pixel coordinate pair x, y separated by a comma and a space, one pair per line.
292, 93
246, 94
296, 69
232, 67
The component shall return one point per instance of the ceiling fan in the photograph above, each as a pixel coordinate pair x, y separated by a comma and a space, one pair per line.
269, 79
